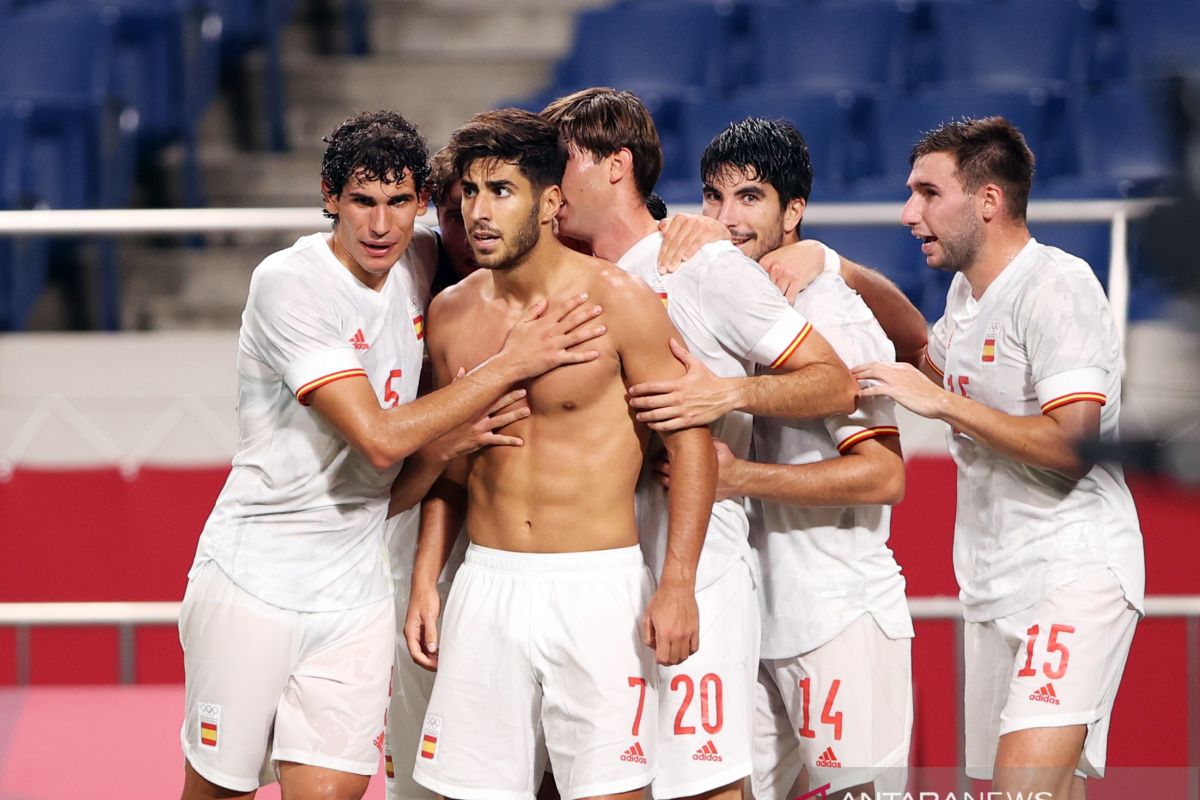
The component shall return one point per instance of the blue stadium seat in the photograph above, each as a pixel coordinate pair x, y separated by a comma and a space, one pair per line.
899, 121
825, 47
1162, 37
1087, 240
655, 46
22, 260
1013, 43
1126, 142
892, 250
825, 120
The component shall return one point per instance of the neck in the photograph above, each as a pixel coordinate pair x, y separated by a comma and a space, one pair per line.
534, 277
996, 253
628, 223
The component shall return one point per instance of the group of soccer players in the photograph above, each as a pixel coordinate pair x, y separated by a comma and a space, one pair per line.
645, 496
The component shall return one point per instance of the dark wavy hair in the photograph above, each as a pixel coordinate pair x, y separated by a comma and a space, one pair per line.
771, 151
374, 146
988, 150
513, 136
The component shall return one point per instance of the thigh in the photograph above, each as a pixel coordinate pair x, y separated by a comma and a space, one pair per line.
850, 701
238, 655
777, 762
412, 686
706, 704
332, 711
484, 686
1075, 643
600, 700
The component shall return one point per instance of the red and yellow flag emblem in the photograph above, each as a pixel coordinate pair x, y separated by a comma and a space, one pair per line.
208, 733
989, 350
428, 745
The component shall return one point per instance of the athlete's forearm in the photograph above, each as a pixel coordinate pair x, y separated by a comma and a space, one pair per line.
690, 501
1039, 441
849, 480
815, 390
898, 317
413, 483
442, 514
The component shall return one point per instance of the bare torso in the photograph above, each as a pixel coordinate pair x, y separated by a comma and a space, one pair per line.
570, 486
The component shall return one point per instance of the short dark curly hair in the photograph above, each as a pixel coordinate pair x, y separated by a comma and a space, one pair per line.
375, 146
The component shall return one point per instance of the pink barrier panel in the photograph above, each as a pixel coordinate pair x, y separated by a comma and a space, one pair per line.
77, 742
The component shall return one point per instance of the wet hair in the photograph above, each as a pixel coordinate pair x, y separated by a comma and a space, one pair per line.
516, 137
601, 121
988, 150
656, 206
374, 146
441, 176
771, 151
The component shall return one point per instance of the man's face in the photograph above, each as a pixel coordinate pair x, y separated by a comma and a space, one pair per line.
454, 233
501, 211
585, 193
750, 209
374, 225
941, 214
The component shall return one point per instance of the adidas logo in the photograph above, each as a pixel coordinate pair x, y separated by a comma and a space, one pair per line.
828, 759
1045, 695
359, 341
634, 754
707, 753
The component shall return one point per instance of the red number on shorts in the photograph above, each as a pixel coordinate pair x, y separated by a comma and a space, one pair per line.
390, 396
827, 715
1028, 671
1055, 646
805, 731
689, 690
829, 718
713, 680
640, 683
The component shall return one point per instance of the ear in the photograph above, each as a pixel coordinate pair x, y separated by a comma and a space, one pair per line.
991, 201
793, 212
549, 204
330, 198
620, 164
423, 200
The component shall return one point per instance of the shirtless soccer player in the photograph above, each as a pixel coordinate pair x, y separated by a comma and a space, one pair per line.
547, 624
732, 318
287, 622
1024, 364
835, 688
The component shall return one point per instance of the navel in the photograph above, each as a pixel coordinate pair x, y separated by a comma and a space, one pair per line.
569, 405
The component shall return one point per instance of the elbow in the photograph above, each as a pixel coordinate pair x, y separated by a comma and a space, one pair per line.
887, 488
1076, 469
382, 457
846, 398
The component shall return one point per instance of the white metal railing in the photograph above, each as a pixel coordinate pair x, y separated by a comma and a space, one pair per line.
128, 616
1117, 213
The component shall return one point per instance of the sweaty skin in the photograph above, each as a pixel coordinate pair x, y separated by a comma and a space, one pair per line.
569, 487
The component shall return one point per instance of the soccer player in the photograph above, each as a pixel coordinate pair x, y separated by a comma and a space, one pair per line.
287, 622
731, 318
546, 628
834, 702
1024, 365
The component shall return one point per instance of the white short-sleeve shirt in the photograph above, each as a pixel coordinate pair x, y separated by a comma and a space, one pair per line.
300, 520
1041, 336
823, 568
732, 318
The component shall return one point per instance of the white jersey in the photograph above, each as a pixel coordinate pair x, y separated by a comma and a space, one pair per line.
823, 568
299, 523
1041, 336
732, 317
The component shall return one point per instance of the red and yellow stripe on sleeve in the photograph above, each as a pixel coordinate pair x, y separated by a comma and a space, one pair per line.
1074, 397
865, 434
304, 391
792, 346
933, 366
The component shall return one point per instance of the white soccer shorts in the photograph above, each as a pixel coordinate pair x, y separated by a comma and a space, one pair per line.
706, 704
840, 714
319, 680
1055, 664
542, 648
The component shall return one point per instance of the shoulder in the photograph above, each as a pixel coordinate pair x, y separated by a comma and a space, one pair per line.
289, 275
840, 315
1058, 282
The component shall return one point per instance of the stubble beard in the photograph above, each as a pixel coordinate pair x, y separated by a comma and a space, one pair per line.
960, 251
523, 241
